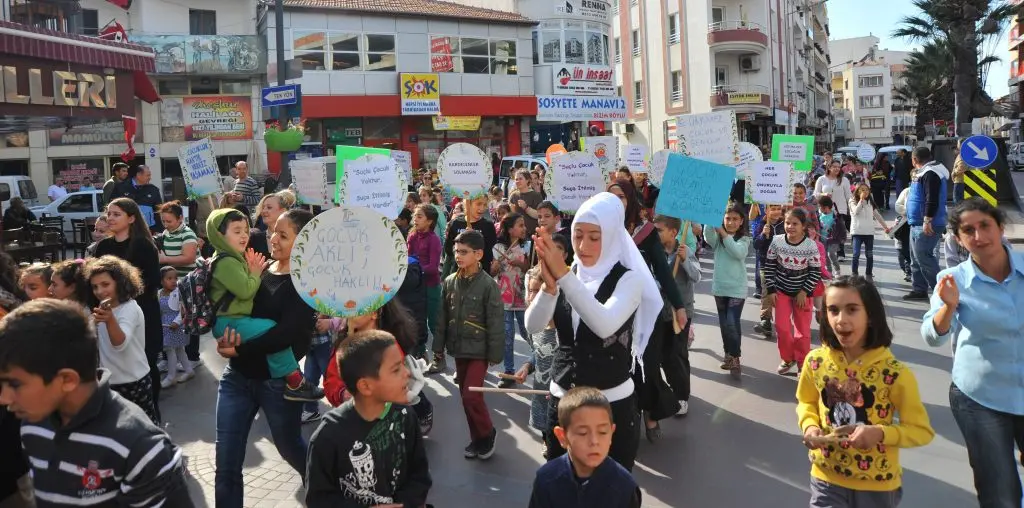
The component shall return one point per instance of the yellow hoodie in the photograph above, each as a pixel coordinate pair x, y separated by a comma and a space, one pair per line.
870, 391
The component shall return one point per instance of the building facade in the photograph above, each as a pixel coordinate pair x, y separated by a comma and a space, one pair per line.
866, 91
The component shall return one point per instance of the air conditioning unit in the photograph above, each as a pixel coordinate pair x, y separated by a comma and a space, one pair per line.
750, 63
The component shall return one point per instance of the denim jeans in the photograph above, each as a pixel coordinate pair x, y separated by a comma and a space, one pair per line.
958, 192
757, 278
924, 264
729, 310
990, 436
317, 360
868, 242
238, 401
511, 318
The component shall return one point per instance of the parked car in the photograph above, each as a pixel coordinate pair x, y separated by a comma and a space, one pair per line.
513, 163
17, 186
76, 205
1015, 156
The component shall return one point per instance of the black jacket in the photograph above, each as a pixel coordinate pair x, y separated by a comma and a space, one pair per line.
610, 486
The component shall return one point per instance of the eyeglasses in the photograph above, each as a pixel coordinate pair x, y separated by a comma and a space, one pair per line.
463, 252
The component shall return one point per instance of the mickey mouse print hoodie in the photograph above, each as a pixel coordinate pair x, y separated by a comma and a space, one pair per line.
869, 391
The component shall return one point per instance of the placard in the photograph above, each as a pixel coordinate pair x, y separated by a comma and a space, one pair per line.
658, 162
349, 261
199, 169
695, 190
749, 154
798, 150
404, 160
347, 153
712, 137
771, 182
606, 149
574, 178
376, 182
635, 158
554, 151
866, 153
463, 168
310, 179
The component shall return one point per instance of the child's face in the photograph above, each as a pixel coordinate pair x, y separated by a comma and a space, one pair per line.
237, 235
500, 214
419, 221
424, 195
169, 281
35, 287
799, 196
465, 257
732, 222
547, 220
479, 207
518, 229
60, 290
410, 203
827, 210
104, 287
666, 234
794, 228
774, 213
29, 398
845, 313
391, 384
588, 437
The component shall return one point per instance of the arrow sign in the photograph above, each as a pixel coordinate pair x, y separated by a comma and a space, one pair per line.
979, 152
284, 95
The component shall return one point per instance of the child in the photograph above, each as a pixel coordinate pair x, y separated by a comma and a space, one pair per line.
501, 210
236, 278
411, 200
470, 328
900, 232
67, 282
318, 359
809, 205
494, 198
792, 271
847, 410
771, 227
369, 451
477, 209
175, 338
48, 350
509, 265
729, 282
862, 210
675, 356
586, 475
833, 233
35, 280
550, 219
100, 231
121, 328
404, 221
425, 245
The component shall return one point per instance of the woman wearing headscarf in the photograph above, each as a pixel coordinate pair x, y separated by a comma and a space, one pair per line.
604, 308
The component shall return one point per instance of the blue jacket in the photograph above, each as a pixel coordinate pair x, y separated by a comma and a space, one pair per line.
927, 197
611, 486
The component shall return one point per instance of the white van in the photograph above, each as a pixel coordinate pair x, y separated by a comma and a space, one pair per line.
513, 163
17, 186
1015, 156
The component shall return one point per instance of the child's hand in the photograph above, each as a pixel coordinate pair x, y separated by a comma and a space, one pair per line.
681, 252
810, 438
801, 300
323, 325
767, 231
102, 315
866, 437
256, 261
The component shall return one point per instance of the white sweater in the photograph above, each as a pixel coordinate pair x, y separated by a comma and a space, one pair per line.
861, 216
840, 193
127, 363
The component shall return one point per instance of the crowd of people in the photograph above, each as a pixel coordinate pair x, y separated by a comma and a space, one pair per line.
604, 298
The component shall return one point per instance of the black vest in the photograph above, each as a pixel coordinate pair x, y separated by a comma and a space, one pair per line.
583, 358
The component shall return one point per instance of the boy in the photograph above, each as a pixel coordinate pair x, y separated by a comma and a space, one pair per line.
471, 328
773, 225
369, 451
478, 208
675, 354
585, 476
550, 219
800, 201
109, 452
833, 233
236, 279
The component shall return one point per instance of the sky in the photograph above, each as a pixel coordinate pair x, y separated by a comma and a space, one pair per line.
858, 18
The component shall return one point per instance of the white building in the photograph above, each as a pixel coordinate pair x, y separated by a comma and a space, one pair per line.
860, 56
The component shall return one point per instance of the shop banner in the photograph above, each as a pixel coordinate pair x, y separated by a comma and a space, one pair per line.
217, 118
420, 93
376, 182
404, 160
712, 137
556, 108
574, 178
464, 170
456, 123
441, 54
606, 149
771, 182
695, 190
592, 10
345, 153
635, 158
310, 179
583, 80
75, 171
798, 150
199, 169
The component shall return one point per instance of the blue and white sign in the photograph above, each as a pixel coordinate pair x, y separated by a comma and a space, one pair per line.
695, 190
284, 95
979, 152
563, 108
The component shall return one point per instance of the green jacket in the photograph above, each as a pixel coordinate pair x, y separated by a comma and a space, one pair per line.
231, 273
472, 320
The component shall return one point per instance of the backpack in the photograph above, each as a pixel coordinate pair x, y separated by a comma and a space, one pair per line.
198, 313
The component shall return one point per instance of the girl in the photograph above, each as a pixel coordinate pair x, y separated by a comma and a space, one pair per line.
729, 281
500, 212
175, 339
862, 209
180, 246
268, 211
509, 265
121, 329
35, 280
792, 271
837, 186
425, 245
411, 200
100, 231
846, 409
68, 282
493, 199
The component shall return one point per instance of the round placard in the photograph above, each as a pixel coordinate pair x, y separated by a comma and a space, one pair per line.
658, 163
349, 261
376, 182
574, 178
866, 153
749, 154
463, 168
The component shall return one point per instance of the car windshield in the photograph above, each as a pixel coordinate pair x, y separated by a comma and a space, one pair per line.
27, 189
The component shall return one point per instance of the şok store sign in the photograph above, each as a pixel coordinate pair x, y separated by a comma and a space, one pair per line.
421, 94
561, 108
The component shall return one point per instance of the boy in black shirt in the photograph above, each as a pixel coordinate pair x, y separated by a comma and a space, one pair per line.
369, 452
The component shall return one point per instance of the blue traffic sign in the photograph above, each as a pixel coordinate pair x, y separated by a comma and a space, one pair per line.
283, 95
979, 152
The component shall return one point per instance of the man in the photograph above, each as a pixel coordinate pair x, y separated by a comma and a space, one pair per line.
820, 169
57, 190
247, 190
959, 169
926, 214
145, 194
901, 168
118, 174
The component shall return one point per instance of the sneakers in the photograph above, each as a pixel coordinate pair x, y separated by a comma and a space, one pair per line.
185, 376
303, 393
470, 451
684, 408
438, 366
485, 448
167, 382
198, 363
785, 367
161, 365
757, 295
507, 383
726, 363
764, 327
734, 368
916, 296
310, 416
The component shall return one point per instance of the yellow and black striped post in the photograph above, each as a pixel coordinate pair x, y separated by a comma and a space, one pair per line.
981, 183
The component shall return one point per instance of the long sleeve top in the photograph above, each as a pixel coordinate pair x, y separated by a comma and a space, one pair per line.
427, 248
840, 192
730, 275
791, 268
276, 300
686, 277
652, 252
861, 214
604, 319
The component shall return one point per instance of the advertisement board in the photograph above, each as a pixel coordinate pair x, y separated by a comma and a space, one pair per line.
560, 108
420, 93
592, 80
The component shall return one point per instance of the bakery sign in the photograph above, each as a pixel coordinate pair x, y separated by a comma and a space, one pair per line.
48, 87
593, 10
591, 80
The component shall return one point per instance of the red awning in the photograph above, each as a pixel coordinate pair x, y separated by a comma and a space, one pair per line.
30, 41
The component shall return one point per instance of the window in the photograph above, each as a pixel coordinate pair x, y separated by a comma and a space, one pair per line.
869, 81
721, 75
90, 22
633, 2
202, 22
474, 55
79, 203
536, 45
615, 7
618, 91
677, 86
173, 87
343, 52
636, 42
874, 122
597, 48
618, 51
717, 15
846, 84
579, 43
238, 86
574, 48
638, 94
5, 192
552, 46
872, 101
673, 29
380, 52
840, 124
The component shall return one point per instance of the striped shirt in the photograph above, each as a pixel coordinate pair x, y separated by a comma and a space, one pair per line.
250, 190
174, 244
790, 268
108, 455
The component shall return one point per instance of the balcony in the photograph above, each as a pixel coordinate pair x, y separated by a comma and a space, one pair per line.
741, 98
737, 36
206, 54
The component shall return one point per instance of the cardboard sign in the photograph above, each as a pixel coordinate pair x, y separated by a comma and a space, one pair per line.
347, 261
635, 158
658, 162
345, 153
798, 150
605, 149
376, 182
404, 160
695, 190
464, 168
199, 169
310, 179
712, 137
574, 178
771, 183
554, 151
866, 153
749, 154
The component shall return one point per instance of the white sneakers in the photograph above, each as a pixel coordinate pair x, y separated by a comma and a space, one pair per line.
168, 381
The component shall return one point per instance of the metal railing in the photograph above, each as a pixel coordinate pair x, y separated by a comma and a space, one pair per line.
736, 25
673, 38
638, 104
728, 88
677, 95
636, 50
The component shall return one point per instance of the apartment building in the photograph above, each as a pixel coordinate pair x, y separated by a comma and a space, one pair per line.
871, 109
1016, 59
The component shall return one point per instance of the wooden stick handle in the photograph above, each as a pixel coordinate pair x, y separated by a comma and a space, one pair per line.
213, 205
682, 239
520, 391
502, 375
467, 206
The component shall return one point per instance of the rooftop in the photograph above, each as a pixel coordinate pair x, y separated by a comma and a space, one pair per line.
431, 8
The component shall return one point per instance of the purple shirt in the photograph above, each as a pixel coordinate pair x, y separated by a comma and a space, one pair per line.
427, 248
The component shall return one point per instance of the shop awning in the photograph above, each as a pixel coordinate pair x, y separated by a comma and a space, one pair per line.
34, 42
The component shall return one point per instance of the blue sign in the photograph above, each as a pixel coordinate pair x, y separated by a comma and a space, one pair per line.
283, 95
979, 152
695, 190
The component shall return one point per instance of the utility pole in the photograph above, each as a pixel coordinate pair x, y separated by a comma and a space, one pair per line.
285, 178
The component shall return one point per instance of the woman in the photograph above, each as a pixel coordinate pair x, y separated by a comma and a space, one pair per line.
246, 385
131, 241
17, 216
180, 249
837, 186
980, 302
655, 396
604, 308
267, 211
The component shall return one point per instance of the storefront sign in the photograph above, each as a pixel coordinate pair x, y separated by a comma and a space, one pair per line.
605, 149
354, 132
464, 169
310, 179
593, 10
217, 118
579, 80
199, 169
744, 98
421, 94
375, 182
100, 133
770, 182
456, 123
555, 108
441, 54
74, 172
713, 137
574, 178
65, 88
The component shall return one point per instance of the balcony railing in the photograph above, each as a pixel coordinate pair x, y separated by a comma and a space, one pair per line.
737, 88
638, 103
205, 54
636, 50
677, 96
673, 38
735, 25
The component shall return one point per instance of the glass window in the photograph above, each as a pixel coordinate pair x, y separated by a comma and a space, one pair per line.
202, 22
90, 22
474, 47
380, 52
172, 87
5, 192
595, 51
536, 44
78, 203
344, 52
473, 55
205, 86
552, 46
27, 189
574, 47
236, 86
503, 57
309, 48
382, 128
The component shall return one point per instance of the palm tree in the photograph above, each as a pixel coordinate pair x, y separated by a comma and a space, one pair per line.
957, 30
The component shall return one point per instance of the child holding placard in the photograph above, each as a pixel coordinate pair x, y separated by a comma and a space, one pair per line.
477, 210
729, 281
771, 227
510, 264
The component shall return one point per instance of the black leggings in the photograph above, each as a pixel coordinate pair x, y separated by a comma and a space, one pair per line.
625, 440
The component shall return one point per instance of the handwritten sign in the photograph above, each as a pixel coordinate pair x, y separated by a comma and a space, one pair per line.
635, 158
199, 168
376, 182
798, 150
865, 153
349, 261
574, 178
463, 168
771, 182
606, 149
658, 162
404, 160
695, 190
310, 179
712, 137
749, 154
345, 153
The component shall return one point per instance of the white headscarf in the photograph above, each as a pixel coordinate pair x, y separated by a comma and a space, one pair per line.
606, 211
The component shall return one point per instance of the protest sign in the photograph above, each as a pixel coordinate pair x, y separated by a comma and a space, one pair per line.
348, 261
376, 182
712, 137
770, 182
799, 150
464, 168
695, 190
606, 149
345, 153
658, 162
310, 179
635, 158
749, 154
199, 168
554, 151
574, 178
404, 160
866, 153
